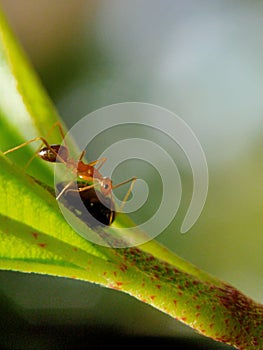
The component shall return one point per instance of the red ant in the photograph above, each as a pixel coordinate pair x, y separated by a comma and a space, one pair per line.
86, 173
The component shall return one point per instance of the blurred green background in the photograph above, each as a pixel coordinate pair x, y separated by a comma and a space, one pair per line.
203, 61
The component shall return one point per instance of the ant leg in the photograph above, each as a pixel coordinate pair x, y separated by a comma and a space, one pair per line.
60, 128
56, 124
85, 188
82, 154
39, 138
101, 161
27, 143
132, 180
66, 189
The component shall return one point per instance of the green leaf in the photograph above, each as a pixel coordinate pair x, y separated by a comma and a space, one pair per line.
25, 109
36, 238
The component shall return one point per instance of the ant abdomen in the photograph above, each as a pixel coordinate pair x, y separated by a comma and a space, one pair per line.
100, 210
54, 154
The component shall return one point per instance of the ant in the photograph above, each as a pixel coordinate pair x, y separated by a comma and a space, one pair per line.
100, 205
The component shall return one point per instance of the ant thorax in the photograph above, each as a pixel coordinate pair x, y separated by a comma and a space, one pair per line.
87, 172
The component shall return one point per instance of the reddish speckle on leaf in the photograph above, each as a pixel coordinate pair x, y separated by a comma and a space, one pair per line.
119, 284
187, 284
167, 270
152, 297
175, 302
104, 273
75, 249
123, 267
198, 307
149, 258
211, 325
42, 245
198, 314
184, 319
35, 235
255, 342
247, 329
158, 286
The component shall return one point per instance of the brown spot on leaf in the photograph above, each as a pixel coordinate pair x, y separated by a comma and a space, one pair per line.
42, 245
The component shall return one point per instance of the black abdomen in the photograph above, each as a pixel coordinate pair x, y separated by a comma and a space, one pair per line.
98, 210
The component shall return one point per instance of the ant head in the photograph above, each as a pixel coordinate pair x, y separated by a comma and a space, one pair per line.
106, 186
